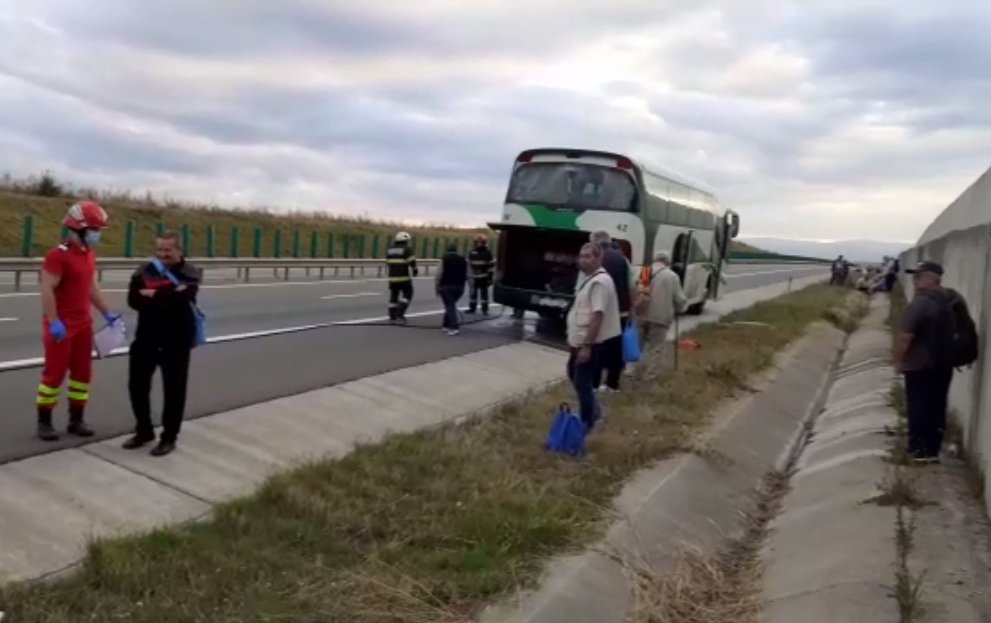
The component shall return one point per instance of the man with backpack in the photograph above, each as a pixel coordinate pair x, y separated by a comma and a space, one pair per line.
661, 299
937, 335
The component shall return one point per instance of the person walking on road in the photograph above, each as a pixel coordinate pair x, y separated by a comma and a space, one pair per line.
163, 292
592, 320
482, 267
623, 277
663, 300
931, 328
451, 287
69, 288
401, 263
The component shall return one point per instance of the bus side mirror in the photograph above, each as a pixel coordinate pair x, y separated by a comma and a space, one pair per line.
734, 225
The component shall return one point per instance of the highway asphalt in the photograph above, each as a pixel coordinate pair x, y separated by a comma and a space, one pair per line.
285, 359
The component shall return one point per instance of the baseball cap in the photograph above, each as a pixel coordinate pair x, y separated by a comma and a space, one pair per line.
926, 267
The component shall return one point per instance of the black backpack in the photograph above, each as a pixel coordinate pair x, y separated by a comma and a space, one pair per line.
963, 343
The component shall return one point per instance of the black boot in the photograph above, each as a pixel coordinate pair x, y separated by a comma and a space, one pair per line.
46, 432
77, 426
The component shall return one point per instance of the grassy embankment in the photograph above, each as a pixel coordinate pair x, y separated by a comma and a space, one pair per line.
20, 199
429, 526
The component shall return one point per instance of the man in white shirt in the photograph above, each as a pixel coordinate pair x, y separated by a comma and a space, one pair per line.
665, 299
593, 319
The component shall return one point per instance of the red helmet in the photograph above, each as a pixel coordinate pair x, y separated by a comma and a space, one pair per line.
86, 215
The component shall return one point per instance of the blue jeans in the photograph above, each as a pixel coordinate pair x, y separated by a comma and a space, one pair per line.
584, 377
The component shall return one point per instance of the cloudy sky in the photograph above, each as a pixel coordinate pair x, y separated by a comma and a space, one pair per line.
815, 119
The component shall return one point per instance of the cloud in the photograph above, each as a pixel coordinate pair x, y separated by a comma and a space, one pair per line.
812, 119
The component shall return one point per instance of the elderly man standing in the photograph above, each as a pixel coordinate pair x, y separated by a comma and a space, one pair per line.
624, 278
925, 357
592, 320
665, 299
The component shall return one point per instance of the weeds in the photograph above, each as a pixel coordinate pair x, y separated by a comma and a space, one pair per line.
908, 588
424, 527
725, 588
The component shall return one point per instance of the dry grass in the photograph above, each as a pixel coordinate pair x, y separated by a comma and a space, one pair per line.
725, 588
48, 213
424, 527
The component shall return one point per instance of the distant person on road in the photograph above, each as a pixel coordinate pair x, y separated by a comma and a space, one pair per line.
592, 320
623, 277
401, 262
451, 287
840, 271
164, 339
663, 299
69, 288
482, 267
937, 335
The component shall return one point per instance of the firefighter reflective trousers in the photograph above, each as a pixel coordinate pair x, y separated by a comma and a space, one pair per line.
400, 295
72, 356
479, 285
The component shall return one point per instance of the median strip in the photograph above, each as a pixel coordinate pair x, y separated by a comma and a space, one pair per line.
426, 526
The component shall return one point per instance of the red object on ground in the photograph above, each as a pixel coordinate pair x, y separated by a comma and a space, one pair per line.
687, 344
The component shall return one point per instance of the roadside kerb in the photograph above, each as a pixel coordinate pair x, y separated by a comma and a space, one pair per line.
50, 505
689, 500
830, 557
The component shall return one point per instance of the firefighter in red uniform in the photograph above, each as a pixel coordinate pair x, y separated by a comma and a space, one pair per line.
68, 289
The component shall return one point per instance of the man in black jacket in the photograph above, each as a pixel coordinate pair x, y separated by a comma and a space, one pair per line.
618, 268
164, 300
451, 280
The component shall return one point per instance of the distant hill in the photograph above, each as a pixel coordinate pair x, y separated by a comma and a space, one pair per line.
854, 250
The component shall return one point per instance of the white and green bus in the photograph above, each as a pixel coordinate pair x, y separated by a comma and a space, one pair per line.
557, 197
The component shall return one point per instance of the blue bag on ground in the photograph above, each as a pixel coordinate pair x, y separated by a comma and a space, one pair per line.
631, 344
567, 433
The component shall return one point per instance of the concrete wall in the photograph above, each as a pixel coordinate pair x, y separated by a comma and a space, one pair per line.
960, 239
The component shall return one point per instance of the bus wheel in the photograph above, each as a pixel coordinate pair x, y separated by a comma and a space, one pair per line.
696, 309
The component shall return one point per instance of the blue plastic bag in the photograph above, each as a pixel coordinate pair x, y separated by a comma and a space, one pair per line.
199, 337
631, 344
567, 434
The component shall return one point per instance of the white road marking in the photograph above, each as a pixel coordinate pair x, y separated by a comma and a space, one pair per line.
9, 319
350, 296
231, 286
33, 362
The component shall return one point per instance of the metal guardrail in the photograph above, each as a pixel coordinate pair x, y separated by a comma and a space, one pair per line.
334, 267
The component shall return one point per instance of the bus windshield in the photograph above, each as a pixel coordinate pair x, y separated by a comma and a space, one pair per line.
573, 185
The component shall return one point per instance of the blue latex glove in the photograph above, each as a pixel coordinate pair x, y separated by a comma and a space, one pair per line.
112, 317
57, 330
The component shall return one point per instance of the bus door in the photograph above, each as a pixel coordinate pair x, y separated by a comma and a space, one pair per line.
681, 254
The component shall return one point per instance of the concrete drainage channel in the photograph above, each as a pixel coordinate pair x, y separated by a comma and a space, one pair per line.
698, 502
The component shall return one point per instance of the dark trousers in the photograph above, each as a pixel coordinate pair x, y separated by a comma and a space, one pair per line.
479, 287
612, 361
584, 377
174, 363
927, 393
400, 295
450, 295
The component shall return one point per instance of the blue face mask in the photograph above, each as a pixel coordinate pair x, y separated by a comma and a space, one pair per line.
92, 237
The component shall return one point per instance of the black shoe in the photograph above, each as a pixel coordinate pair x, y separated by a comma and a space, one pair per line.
136, 441
485, 311
46, 432
79, 429
163, 448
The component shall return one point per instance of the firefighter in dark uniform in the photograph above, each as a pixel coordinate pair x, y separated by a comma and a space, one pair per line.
402, 270
482, 266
